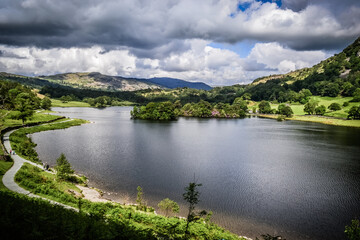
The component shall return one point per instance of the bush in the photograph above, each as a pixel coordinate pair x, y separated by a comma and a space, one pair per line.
346, 104
354, 113
334, 107
320, 110
264, 107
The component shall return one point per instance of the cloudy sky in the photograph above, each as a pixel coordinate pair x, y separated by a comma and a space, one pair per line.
220, 42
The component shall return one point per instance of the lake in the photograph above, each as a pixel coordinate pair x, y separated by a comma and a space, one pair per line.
296, 179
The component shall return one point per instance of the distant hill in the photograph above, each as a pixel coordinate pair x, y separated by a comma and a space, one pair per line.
95, 80
178, 83
98, 81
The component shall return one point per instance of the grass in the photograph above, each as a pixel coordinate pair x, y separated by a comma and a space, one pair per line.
4, 166
45, 185
58, 103
337, 118
7, 121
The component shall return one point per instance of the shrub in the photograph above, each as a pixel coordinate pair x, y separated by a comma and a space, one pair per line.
334, 107
320, 110
354, 112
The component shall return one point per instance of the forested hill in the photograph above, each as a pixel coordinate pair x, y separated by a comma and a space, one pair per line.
337, 75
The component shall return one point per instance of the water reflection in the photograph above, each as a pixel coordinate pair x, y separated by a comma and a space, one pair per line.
259, 175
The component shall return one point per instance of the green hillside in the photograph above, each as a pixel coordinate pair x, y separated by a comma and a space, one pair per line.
338, 75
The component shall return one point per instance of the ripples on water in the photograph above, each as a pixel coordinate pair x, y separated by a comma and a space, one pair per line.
300, 180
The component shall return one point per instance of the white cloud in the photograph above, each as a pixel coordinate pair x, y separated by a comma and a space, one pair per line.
199, 63
275, 56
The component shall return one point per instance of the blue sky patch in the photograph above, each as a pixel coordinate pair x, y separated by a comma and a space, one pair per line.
243, 6
242, 48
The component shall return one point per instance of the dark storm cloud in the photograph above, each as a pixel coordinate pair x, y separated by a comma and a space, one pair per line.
155, 29
6, 54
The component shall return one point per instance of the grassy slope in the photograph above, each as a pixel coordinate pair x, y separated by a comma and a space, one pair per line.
37, 117
4, 166
299, 114
58, 103
44, 184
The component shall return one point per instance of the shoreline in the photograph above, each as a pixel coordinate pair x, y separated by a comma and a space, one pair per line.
332, 121
89, 193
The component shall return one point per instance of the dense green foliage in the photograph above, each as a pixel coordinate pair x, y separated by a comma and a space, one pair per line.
15, 96
155, 111
202, 109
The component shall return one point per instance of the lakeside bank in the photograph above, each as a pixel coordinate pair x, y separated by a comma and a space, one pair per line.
315, 119
53, 127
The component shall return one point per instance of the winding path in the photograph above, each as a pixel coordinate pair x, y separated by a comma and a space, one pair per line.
9, 177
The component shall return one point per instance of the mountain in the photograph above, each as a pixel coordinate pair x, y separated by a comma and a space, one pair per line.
98, 81
178, 83
337, 75
95, 80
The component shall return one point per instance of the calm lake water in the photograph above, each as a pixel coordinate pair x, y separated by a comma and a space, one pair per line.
299, 180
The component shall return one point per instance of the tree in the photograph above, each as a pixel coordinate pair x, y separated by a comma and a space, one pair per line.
24, 105
66, 98
264, 107
309, 107
46, 103
241, 104
334, 107
63, 167
356, 95
285, 110
139, 198
354, 112
320, 110
191, 196
168, 206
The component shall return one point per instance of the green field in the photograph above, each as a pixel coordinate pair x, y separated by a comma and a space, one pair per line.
58, 103
338, 118
7, 121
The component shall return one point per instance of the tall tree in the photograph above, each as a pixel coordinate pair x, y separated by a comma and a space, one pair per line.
46, 103
139, 198
23, 103
191, 196
63, 167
